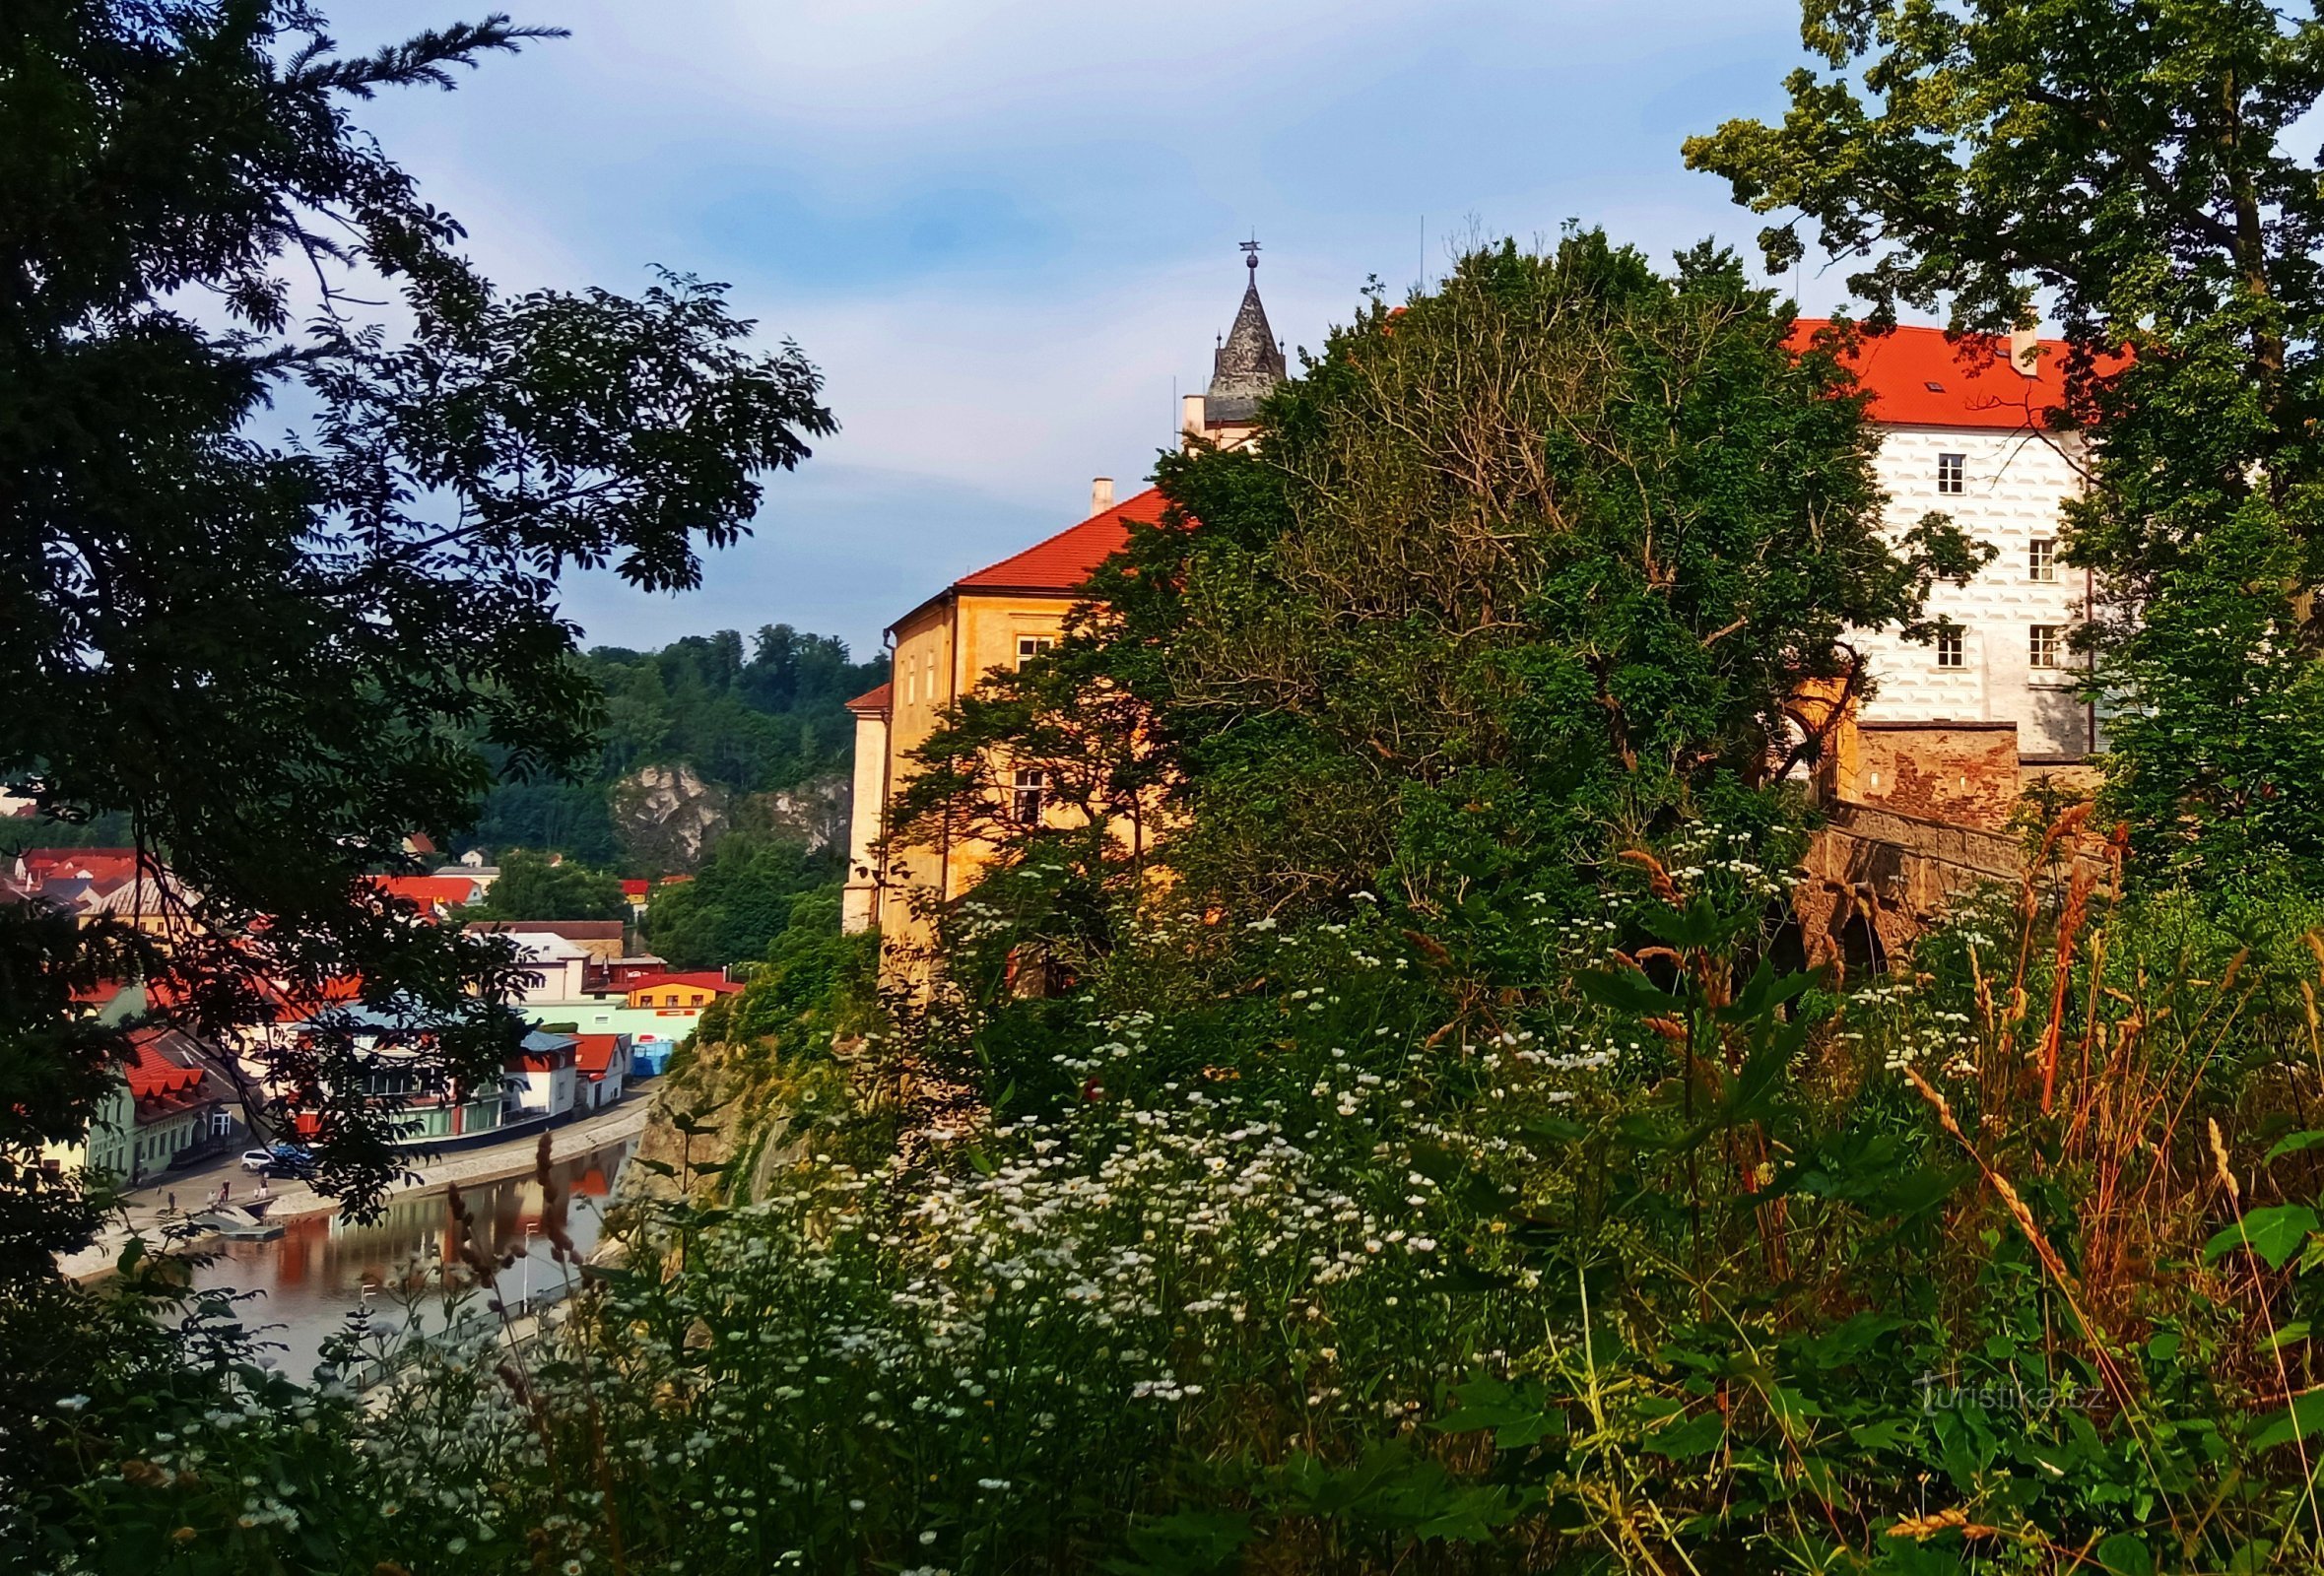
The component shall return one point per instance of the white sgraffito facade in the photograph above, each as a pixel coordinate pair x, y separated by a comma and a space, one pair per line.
2014, 483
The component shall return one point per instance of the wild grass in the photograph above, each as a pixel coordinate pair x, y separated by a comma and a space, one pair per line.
1666, 1259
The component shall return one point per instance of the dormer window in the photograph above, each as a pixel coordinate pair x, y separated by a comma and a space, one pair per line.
1953, 472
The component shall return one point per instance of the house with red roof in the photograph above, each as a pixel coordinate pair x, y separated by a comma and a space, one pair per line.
118, 883
602, 1063
1003, 616
172, 1104
436, 896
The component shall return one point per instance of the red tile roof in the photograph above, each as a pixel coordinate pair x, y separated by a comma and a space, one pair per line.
596, 1053
1918, 377
1065, 560
635, 887
873, 700
427, 891
159, 1084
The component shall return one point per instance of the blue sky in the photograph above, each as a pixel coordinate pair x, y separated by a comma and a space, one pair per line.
1007, 231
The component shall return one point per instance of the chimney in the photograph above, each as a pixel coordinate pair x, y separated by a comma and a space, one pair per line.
1100, 493
1190, 416
2026, 349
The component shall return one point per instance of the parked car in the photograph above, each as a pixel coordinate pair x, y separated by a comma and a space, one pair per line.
280, 1159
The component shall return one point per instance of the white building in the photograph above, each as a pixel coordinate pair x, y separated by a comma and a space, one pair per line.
556, 968
1964, 434
542, 1076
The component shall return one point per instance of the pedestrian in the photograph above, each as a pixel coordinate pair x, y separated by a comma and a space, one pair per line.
171, 1205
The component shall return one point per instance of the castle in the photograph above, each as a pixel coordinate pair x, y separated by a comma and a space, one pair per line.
1952, 730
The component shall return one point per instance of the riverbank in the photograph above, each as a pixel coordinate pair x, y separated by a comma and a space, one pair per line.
147, 1211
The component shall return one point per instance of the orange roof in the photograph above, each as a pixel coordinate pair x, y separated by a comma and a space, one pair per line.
700, 979
596, 1052
1064, 562
1917, 377
873, 699
156, 1083
427, 891
103, 867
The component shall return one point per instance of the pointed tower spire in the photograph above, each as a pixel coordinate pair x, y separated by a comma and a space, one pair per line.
1250, 362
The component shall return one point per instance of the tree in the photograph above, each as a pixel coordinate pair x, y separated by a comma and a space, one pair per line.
535, 887
738, 903
279, 656
2141, 168
1519, 575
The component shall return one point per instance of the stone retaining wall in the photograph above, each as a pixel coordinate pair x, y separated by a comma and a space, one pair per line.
1875, 880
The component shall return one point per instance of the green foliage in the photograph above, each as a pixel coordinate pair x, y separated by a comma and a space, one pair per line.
1520, 576
534, 886
810, 971
2140, 166
1664, 1264
278, 655
739, 902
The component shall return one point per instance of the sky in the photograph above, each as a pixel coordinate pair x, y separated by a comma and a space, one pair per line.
1007, 233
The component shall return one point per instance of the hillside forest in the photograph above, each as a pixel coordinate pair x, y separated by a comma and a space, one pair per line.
709, 735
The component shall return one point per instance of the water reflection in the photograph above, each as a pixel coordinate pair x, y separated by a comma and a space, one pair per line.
321, 1268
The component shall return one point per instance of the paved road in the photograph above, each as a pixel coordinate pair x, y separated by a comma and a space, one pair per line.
146, 1209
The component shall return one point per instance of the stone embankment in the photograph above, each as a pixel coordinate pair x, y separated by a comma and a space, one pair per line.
146, 1209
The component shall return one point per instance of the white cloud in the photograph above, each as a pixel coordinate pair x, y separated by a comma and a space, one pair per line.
1004, 229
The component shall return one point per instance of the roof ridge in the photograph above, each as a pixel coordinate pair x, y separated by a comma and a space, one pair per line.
1119, 512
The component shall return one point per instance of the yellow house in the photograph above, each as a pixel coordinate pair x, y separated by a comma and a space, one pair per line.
680, 993
1001, 618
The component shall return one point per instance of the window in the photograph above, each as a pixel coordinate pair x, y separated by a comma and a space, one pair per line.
1026, 796
911, 679
1952, 651
2047, 647
1953, 471
2042, 560
1029, 646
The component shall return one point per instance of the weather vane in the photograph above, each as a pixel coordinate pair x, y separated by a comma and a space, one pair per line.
1251, 252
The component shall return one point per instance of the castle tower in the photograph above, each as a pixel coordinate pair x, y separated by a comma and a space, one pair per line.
1247, 363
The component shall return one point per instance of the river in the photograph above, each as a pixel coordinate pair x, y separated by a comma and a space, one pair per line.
321, 1268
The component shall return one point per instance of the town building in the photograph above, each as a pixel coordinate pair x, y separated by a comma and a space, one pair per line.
686, 993
1951, 729
1002, 616
436, 897
172, 1104
602, 1062
555, 969
542, 1076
